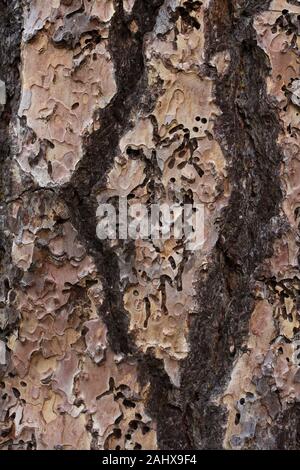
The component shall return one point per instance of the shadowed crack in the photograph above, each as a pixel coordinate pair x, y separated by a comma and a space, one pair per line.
247, 131
101, 147
10, 39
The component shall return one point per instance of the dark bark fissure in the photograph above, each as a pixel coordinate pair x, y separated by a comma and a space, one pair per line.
247, 131
287, 429
10, 41
101, 147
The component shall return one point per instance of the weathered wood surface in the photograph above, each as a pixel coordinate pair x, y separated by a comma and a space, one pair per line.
128, 344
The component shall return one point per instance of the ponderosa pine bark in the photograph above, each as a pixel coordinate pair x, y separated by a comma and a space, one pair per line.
142, 343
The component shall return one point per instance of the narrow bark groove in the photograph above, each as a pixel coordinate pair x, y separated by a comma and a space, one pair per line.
100, 149
10, 40
247, 131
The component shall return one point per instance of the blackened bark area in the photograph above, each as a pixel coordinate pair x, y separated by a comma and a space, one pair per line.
247, 131
10, 40
101, 147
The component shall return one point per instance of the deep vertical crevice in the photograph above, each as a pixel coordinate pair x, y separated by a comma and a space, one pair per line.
10, 40
247, 131
101, 147
189, 416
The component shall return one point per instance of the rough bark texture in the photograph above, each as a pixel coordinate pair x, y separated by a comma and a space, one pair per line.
143, 344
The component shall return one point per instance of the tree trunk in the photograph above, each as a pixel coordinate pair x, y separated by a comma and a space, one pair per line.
143, 342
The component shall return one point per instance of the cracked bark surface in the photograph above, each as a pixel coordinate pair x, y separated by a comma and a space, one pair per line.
143, 344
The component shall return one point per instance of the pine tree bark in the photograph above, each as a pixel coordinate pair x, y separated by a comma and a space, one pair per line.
143, 344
